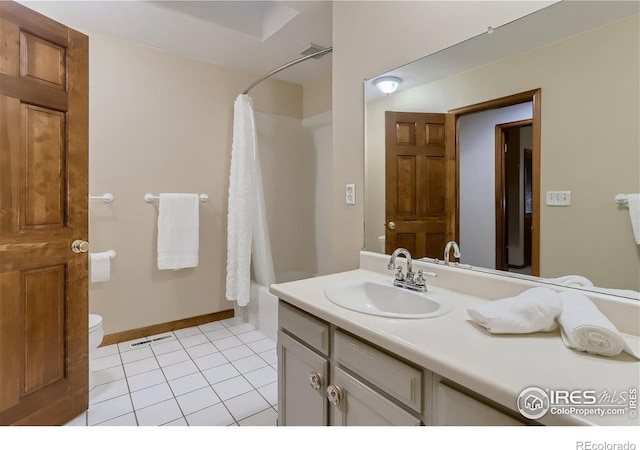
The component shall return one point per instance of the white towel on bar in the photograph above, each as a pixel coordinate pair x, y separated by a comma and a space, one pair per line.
534, 310
633, 202
586, 329
178, 231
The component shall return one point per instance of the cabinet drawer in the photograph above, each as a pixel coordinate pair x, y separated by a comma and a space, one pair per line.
391, 375
305, 327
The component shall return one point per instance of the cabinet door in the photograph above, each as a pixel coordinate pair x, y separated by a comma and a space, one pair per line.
361, 405
453, 407
299, 403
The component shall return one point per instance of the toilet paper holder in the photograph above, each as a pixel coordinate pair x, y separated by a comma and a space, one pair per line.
621, 199
107, 198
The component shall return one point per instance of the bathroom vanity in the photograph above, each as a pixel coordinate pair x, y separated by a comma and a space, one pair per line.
338, 366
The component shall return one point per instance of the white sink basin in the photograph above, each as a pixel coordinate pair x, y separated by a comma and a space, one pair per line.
379, 299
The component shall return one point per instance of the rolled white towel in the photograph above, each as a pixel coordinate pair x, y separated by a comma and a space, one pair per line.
534, 310
571, 281
586, 329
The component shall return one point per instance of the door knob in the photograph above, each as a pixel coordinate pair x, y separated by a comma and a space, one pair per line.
315, 379
334, 394
392, 225
79, 246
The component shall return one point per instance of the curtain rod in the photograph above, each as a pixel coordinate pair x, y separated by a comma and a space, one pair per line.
286, 66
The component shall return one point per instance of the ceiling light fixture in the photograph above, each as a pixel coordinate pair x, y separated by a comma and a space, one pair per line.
387, 85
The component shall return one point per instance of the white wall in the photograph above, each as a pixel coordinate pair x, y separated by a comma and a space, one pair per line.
477, 182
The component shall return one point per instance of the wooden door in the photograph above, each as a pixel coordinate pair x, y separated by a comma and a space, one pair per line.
420, 182
43, 209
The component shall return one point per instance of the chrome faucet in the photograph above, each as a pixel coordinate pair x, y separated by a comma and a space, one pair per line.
410, 280
447, 251
394, 255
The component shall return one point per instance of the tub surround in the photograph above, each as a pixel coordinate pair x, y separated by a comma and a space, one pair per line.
495, 367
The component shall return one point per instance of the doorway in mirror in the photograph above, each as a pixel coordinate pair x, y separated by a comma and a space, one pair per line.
513, 142
498, 192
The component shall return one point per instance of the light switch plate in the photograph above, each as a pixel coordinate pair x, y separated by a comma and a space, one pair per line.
350, 193
558, 198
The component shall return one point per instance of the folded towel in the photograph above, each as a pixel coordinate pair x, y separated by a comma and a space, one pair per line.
586, 329
571, 281
100, 267
633, 202
534, 310
178, 231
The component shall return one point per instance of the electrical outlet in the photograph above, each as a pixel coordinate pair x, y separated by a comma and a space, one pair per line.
350, 192
558, 198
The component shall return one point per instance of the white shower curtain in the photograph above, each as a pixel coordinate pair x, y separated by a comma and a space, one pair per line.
247, 230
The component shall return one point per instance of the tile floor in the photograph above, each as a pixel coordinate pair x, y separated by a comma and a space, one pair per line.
220, 373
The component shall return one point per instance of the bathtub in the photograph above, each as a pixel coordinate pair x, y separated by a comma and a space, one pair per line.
262, 310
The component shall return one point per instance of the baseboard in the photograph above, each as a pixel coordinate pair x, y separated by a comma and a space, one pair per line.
151, 330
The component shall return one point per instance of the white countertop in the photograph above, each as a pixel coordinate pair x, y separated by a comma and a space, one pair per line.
498, 367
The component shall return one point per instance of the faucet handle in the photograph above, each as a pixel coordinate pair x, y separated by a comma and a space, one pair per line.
420, 279
399, 274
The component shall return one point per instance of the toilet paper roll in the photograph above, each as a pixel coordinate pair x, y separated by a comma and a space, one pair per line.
100, 267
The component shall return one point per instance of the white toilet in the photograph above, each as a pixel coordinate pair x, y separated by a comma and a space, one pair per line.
96, 333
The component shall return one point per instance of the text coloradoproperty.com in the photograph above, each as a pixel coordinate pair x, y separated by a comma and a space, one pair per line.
599, 411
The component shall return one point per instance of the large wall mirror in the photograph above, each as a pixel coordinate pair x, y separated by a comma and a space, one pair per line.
558, 91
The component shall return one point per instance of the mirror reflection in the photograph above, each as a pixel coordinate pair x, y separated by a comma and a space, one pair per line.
515, 145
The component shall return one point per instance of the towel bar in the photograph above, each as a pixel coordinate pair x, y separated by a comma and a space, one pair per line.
149, 198
111, 254
621, 199
107, 198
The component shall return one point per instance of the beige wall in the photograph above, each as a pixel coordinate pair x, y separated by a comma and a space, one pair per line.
370, 38
317, 112
162, 123
590, 143
317, 96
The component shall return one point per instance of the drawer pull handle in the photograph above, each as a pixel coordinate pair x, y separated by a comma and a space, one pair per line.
315, 380
334, 394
